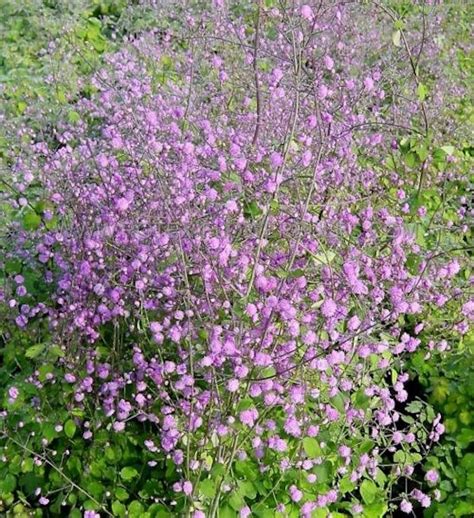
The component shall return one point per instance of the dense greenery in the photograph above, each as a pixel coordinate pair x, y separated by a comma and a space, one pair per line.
61, 457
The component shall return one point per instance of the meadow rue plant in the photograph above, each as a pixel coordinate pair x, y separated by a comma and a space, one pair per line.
241, 245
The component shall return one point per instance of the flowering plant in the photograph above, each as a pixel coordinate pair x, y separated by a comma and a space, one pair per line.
239, 230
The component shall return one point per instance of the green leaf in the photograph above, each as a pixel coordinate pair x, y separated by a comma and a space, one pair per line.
128, 473
267, 372
294, 274
414, 407
27, 465
166, 62
34, 351
366, 446
463, 509
227, 512
368, 491
324, 257
247, 469
31, 221
73, 117
56, 351
411, 159
396, 35
467, 462
465, 437
208, 488
135, 509
90, 505
236, 501
247, 489
338, 402
95, 489
121, 494
380, 477
376, 510
400, 457
118, 508
159, 511
263, 511
8, 484
449, 150
252, 210
346, 485
399, 24
96, 468
21, 107
422, 152
361, 399
70, 428
323, 472
110, 453
13, 266
311, 447
446, 485
72, 498
422, 92
48, 431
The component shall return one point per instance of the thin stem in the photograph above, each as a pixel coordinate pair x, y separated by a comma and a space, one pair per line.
256, 77
61, 472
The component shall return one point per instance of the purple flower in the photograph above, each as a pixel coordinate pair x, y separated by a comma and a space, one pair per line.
329, 308
187, 487
122, 204
295, 494
369, 84
345, 451
248, 417
13, 394
328, 62
406, 506
432, 476
468, 309
276, 160
306, 12
323, 92
233, 385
